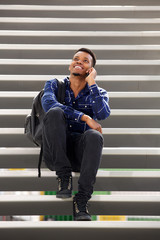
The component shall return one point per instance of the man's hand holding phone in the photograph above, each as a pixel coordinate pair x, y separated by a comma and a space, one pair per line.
90, 76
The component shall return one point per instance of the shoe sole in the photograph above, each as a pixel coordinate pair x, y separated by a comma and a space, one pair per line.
82, 219
63, 196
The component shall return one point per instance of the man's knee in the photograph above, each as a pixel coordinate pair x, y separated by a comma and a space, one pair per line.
54, 113
93, 137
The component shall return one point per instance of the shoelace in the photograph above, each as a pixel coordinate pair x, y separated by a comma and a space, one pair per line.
64, 182
81, 205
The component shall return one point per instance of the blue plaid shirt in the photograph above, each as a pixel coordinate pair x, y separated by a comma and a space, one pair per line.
92, 101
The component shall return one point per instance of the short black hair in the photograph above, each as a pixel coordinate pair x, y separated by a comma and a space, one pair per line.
89, 52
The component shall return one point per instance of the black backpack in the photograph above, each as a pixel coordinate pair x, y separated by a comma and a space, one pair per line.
34, 121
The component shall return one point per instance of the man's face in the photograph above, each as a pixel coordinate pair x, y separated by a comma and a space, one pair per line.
80, 64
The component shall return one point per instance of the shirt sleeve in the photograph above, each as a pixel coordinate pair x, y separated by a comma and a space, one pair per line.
100, 102
49, 100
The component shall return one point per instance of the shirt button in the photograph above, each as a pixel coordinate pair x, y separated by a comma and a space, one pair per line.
70, 126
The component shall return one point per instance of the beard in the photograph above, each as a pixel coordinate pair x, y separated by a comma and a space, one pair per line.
76, 74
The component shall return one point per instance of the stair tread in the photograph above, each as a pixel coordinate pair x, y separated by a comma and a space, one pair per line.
115, 112
150, 173
80, 8
106, 150
79, 33
93, 224
80, 20
106, 78
134, 131
95, 198
77, 46
60, 62
128, 94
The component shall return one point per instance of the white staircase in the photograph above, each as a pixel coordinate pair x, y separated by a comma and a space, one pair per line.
37, 41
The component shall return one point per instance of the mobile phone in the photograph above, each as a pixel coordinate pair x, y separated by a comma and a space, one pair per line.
87, 74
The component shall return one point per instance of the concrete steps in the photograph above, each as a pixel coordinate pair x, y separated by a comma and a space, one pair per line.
137, 180
122, 137
114, 82
58, 51
114, 157
79, 37
118, 100
37, 41
48, 66
81, 12
50, 205
99, 229
63, 24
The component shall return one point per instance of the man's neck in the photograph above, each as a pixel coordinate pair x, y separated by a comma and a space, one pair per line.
77, 83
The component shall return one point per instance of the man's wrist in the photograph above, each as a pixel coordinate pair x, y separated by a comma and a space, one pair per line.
91, 81
85, 117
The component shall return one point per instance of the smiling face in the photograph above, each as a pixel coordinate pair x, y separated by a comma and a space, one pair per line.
80, 64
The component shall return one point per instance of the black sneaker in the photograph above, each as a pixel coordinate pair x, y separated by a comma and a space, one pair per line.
80, 211
64, 187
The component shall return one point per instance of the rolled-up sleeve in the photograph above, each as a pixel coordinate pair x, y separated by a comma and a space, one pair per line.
100, 102
49, 100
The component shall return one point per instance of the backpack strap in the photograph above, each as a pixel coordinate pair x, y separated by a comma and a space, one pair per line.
61, 91
40, 161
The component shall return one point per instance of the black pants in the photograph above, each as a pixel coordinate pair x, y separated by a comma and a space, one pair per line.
65, 152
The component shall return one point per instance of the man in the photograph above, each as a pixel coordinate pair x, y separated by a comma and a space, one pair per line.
72, 137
